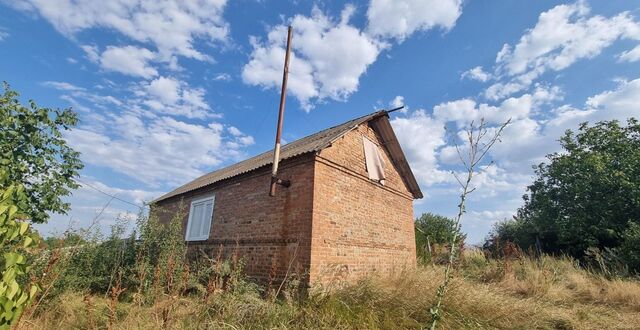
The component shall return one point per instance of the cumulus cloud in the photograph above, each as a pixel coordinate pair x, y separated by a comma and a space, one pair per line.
129, 139
400, 18
430, 150
135, 147
528, 140
421, 136
531, 135
464, 111
563, 35
621, 103
129, 60
171, 26
167, 95
476, 73
328, 57
397, 102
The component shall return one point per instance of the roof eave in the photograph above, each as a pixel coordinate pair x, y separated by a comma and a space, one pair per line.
383, 126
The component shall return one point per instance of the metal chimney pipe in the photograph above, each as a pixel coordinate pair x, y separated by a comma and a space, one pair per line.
283, 97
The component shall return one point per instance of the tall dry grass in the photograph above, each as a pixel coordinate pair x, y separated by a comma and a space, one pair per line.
512, 293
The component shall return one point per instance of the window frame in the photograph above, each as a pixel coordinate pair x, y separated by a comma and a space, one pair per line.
194, 202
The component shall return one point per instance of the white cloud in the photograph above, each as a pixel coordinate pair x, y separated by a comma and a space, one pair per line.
632, 55
159, 151
328, 58
621, 103
129, 60
168, 95
165, 89
152, 146
92, 53
421, 136
400, 18
234, 131
464, 111
397, 102
562, 36
222, 77
527, 140
329, 55
74, 92
171, 26
62, 85
476, 73
431, 152
3, 34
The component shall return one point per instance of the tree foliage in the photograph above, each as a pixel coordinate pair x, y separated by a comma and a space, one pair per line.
15, 237
36, 170
437, 228
35, 154
587, 196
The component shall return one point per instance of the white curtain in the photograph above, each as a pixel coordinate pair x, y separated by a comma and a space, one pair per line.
374, 161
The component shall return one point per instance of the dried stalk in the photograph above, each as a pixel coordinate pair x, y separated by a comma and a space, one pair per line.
476, 152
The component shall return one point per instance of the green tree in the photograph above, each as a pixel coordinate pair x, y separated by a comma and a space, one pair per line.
433, 229
36, 155
587, 196
36, 170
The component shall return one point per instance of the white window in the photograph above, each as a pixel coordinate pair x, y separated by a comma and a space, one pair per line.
374, 161
200, 217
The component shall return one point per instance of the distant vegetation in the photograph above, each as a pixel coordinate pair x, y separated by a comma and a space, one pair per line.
433, 234
585, 201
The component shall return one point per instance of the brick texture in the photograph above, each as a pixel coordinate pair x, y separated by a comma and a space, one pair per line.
332, 223
359, 226
266, 232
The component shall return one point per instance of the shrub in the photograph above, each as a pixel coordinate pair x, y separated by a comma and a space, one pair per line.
586, 196
433, 234
629, 249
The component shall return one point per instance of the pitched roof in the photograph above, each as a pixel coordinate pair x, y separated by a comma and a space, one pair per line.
312, 143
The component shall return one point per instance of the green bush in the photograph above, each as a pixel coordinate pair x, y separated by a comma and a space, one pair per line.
16, 241
584, 199
434, 232
629, 249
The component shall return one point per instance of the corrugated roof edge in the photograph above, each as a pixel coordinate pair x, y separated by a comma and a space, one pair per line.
201, 181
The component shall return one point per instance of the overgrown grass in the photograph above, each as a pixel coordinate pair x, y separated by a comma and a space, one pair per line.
511, 293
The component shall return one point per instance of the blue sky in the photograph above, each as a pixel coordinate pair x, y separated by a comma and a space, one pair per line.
167, 92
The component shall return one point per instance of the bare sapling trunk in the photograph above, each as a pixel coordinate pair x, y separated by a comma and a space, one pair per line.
480, 139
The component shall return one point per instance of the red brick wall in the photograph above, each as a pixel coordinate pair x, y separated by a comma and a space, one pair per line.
264, 231
337, 222
359, 226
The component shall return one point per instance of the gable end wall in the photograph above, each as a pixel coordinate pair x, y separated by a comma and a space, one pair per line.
359, 226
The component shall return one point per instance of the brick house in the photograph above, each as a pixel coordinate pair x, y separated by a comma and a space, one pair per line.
347, 212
